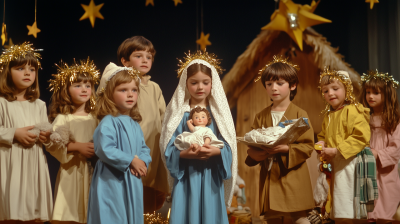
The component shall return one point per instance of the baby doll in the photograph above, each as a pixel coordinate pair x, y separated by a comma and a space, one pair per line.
200, 134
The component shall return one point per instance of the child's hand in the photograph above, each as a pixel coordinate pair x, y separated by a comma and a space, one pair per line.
24, 137
138, 167
256, 154
328, 154
44, 136
189, 122
191, 152
375, 152
195, 147
277, 149
208, 151
86, 149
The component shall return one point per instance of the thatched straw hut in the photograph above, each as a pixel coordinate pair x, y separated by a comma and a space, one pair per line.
249, 98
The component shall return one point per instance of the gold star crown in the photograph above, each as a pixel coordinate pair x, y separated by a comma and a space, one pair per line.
342, 77
17, 51
67, 73
277, 59
379, 75
210, 58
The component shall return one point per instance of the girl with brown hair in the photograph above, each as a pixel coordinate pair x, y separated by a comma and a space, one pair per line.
123, 155
71, 110
24, 180
379, 94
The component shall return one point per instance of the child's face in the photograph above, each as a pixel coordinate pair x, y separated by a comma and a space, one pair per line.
80, 92
23, 76
200, 119
199, 86
140, 60
334, 94
125, 97
374, 98
278, 90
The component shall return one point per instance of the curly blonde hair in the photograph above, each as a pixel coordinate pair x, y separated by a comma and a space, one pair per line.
61, 102
7, 87
198, 110
105, 103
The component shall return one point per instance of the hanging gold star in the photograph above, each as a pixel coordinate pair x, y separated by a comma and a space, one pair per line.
203, 41
33, 30
371, 3
148, 2
294, 19
3, 34
92, 12
10, 43
177, 2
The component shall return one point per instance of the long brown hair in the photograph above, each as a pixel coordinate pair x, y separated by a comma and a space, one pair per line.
61, 102
105, 103
7, 87
195, 68
390, 113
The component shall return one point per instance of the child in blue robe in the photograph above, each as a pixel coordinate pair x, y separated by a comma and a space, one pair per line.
201, 176
116, 191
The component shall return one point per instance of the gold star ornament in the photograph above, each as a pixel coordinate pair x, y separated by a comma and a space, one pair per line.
294, 19
203, 41
33, 30
371, 3
177, 2
10, 43
148, 2
92, 12
3, 34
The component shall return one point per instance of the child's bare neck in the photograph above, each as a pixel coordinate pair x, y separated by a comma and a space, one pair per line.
80, 110
280, 105
145, 79
20, 95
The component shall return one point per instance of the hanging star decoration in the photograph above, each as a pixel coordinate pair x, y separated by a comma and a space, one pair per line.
92, 12
177, 2
3, 34
371, 3
203, 41
294, 19
10, 43
33, 30
148, 2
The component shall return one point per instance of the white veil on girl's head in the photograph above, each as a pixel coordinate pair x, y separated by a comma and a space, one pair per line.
220, 110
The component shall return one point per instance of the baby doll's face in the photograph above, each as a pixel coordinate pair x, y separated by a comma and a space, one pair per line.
125, 96
199, 86
200, 119
80, 92
140, 60
334, 94
23, 76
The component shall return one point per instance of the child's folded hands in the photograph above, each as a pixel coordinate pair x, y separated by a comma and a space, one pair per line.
138, 167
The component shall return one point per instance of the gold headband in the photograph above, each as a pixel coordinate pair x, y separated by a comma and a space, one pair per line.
17, 51
210, 58
344, 79
379, 75
276, 59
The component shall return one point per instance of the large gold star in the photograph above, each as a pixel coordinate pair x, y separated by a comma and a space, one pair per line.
177, 2
10, 43
3, 34
294, 19
203, 41
371, 3
148, 2
33, 30
92, 12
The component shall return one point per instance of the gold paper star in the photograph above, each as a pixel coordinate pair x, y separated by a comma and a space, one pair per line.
10, 43
33, 30
177, 2
294, 19
203, 41
148, 2
371, 3
92, 12
3, 34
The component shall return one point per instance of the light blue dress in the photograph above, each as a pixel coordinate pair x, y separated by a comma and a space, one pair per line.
198, 193
116, 196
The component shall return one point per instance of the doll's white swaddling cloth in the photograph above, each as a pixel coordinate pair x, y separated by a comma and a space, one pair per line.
184, 140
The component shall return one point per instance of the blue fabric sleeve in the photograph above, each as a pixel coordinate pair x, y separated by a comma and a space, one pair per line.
105, 147
226, 156
144, 153
172, 154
